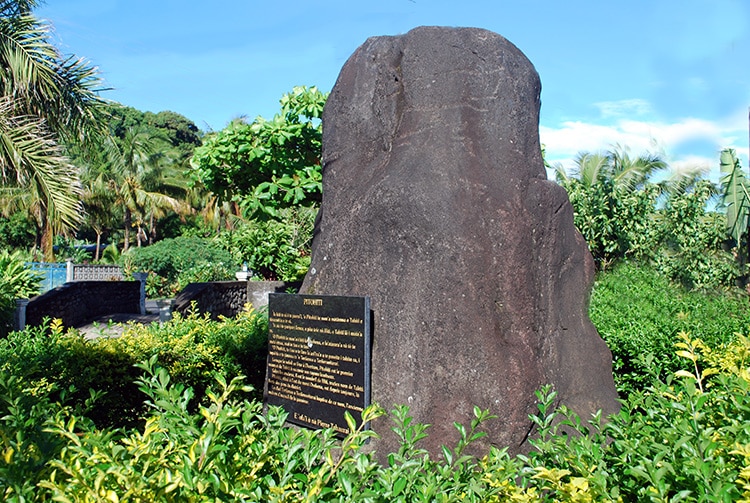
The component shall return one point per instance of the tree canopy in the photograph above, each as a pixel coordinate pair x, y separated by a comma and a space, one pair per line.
267, 165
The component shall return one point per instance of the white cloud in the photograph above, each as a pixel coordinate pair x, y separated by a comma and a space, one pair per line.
685, 143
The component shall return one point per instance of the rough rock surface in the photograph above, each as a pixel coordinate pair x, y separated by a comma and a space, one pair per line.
436, 205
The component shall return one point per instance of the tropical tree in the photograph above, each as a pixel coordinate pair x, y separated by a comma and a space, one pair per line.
99, 201
613, 202
36, 176
691, 247
267, 165
141, 183
46, 100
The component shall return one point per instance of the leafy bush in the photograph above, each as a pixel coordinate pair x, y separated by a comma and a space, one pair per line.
274, 249
16, 282
205, 272
17, 230
667, 224
169, 258
160, 287
69, 248
683, 433
26, 446
192, 348
267, 165
638, 311
686, 438
692, 242
615, 222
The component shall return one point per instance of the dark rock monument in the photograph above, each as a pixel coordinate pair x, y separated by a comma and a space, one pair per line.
437, 206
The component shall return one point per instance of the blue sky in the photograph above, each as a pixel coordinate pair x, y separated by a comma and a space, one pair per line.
664, 76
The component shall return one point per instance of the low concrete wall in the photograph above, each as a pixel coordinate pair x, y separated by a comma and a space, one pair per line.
78, 302
257, 291
91, 272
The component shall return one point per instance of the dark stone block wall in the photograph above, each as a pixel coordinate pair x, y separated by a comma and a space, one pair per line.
228, 298
75, 303
220, 298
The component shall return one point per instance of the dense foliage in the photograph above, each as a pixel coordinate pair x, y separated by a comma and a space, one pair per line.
47, 99
271, 250
684, 438
137, 179
60, 363
639, 313
17, 230
16, 282
274, 249
267, 165
169, 260
622, 214
682, 434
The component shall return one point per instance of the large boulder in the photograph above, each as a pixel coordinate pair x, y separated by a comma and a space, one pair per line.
436, 205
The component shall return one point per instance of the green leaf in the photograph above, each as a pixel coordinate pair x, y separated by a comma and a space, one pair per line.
399, 486
735, 196
350, 422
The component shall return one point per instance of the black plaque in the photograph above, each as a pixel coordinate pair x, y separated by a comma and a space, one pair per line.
319, 358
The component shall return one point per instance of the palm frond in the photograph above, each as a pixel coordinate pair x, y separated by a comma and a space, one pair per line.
30, 154
681, 182
631, 172
590, 167
63, 91
16, 8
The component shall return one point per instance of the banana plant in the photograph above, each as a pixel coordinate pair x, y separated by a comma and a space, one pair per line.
736, 200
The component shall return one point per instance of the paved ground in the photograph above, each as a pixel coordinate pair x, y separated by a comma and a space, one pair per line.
111, 325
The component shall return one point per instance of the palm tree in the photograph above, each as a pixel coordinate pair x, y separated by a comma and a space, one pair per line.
45, 100
632, 173
589, 169
600, 189
99, 202
37, 176
141, 184
615, 166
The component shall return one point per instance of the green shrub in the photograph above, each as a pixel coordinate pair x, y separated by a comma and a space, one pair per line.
692, 242
16, 282
26, 445
615, 221
71, 249
205, 272
638, 311
274, 249
17, 231
192, 348
685, 438
169, 258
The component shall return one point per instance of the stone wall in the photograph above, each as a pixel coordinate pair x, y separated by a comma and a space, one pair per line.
220, 298
228, 298
75, 303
